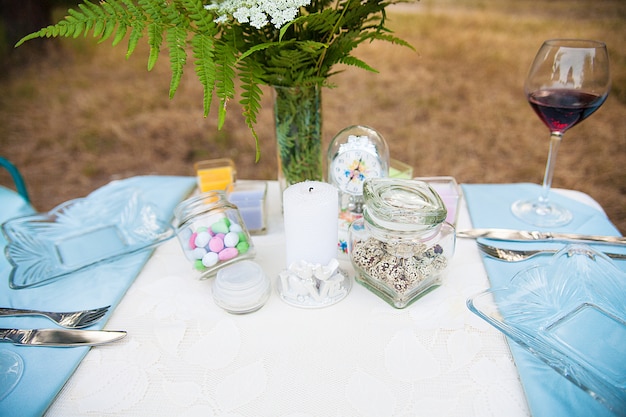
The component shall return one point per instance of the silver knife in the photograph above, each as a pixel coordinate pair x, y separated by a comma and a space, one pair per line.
59, 337
522, 235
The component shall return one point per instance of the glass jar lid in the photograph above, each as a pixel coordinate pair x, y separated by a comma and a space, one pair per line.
241, 287
402, 204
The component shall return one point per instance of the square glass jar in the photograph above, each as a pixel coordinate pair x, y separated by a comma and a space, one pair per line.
211, 232
402, 246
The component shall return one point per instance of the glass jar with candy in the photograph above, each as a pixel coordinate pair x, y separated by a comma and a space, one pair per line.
211, 232
402, 246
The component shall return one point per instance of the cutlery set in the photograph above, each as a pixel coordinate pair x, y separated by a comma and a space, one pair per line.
67, 337
517, 255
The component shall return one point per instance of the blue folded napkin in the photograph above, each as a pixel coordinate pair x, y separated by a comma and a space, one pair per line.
548, 393
46, 369
13, 204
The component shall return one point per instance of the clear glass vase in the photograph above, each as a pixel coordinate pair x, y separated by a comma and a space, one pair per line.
298, 124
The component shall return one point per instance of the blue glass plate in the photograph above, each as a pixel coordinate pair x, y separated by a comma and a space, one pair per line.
571, 314
109, 223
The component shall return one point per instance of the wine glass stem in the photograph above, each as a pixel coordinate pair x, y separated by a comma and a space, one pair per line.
555, 141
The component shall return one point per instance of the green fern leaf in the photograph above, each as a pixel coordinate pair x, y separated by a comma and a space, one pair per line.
250, 76
120, 35
355, 62
226, 58
203, 53
203, 47
45, 32
176, 38
88, 16
77, 18
121, 19
155, 29
77, 24
136, 33
98, 28
257, 48
107, 31
392, 39
155, 38
132, 8
202, 18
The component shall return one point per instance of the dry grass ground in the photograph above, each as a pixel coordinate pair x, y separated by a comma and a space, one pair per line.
81, 115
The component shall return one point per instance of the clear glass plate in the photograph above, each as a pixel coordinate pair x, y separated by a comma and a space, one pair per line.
571, 314
109, 223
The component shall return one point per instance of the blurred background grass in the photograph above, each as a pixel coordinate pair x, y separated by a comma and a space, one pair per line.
74, 116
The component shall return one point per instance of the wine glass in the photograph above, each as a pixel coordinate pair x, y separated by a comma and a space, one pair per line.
568, 80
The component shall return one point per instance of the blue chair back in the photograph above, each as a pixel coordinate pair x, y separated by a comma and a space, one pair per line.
20, 186
14, 203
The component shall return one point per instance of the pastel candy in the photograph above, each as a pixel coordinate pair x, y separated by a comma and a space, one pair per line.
216, 244
192, 241
222, 241
231, 239
202, 239
210, 259
198, 253
227, 254
198, 265
242, 247
221, 226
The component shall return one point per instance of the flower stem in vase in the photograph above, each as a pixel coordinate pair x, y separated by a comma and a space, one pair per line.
298, 124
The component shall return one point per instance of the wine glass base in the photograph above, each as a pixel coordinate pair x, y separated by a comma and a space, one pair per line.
11, 368
541, 214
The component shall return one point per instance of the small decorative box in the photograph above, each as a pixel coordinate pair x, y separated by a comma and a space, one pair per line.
250, 199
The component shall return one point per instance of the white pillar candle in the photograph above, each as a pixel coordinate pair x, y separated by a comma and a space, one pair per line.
311, 227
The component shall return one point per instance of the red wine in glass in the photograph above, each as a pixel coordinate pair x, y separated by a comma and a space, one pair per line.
567, 81
561, 109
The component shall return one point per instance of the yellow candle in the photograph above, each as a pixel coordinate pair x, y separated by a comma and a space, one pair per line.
216, 174
215, 178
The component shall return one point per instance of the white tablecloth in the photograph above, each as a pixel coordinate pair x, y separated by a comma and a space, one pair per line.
185, 356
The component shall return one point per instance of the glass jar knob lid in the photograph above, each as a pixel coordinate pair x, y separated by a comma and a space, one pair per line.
402, 204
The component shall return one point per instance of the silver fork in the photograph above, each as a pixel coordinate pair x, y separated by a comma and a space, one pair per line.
72, 319
515, 255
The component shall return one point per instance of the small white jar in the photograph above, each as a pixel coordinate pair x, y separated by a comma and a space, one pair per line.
241, 287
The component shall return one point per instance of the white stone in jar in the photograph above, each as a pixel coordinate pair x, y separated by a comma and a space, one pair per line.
231, 239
